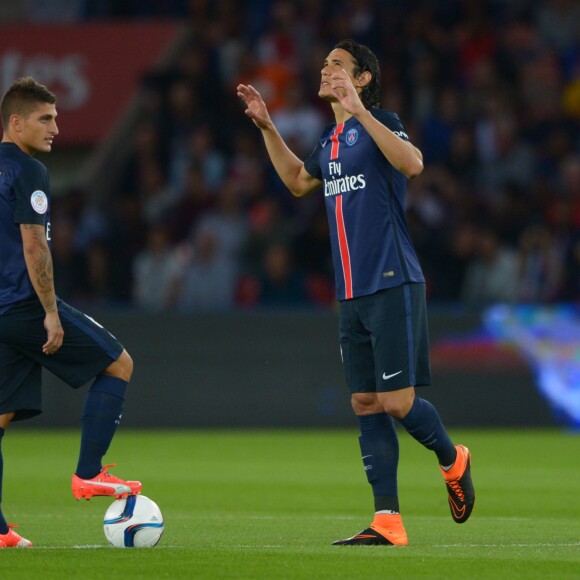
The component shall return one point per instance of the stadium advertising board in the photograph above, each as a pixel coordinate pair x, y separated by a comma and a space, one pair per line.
94, 69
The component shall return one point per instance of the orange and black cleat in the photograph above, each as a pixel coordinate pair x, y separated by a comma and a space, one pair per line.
379, 535
459, 486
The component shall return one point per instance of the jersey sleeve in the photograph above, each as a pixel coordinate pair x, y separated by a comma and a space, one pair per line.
312, 163
32, 195
391, 121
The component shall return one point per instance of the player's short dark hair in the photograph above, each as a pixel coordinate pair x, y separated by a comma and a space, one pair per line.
22, 97
365, 60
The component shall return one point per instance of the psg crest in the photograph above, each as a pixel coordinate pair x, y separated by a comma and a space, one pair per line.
351, 137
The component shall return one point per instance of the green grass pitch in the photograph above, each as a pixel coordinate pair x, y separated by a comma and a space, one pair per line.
267, 504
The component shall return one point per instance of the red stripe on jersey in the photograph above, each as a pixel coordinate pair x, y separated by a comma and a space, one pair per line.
334, 139
344, 251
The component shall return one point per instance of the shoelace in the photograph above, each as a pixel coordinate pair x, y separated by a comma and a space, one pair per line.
457, 489
104, 473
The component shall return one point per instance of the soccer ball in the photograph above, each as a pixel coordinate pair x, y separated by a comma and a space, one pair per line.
133, 522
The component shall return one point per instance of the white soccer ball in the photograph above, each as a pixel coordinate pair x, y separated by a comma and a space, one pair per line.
133, 522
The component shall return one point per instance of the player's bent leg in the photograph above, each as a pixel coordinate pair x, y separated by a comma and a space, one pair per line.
460, 486
102, 413
424, 424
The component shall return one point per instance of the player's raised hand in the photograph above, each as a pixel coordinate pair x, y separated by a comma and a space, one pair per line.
345, 92
255, 107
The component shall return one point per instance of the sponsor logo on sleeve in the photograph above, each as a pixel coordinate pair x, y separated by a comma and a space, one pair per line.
39, 201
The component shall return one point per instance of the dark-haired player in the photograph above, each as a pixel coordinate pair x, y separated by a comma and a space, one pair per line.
362, 163
36, 328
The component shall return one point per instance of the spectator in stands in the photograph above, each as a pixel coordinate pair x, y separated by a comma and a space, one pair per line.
146, 149
267, 226
227, 222
213, 163
280, 282
157, 272
493, 275
299, 122
571, 285
272, 77
512, 161
209, 280
438, 128
558, 24
156, 197
539, 266
193, 201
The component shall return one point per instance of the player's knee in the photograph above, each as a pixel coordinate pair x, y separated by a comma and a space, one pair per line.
5, 419
365, 403
397, 411
397, 404
126, 363
122, 368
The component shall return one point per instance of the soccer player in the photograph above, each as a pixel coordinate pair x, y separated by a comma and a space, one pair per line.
37, 329
362, 162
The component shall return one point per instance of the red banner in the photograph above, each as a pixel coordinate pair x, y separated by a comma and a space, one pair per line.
94, 69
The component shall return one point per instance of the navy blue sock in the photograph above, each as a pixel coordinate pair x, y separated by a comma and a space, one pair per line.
424, 424
101, 414
3, 524
379, 445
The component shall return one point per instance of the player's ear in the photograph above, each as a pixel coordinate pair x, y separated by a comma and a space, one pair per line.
15, 122
364, 79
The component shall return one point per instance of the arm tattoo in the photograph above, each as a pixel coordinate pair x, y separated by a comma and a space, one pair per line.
40, 270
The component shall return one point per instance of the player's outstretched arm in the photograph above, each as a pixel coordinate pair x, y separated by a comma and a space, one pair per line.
40, 271
287, 165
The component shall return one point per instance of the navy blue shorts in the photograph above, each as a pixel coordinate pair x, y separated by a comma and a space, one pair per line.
87, 350
384, 340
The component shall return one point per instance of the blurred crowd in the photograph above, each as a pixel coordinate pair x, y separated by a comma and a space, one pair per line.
489, 90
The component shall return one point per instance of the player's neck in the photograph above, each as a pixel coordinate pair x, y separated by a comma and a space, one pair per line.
7, 138
340, 115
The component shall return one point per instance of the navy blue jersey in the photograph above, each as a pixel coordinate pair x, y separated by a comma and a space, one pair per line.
364, 194
24, 199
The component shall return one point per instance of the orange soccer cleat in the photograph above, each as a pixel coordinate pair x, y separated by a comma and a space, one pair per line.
386, 530
459, 485
13, 540
104, 484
